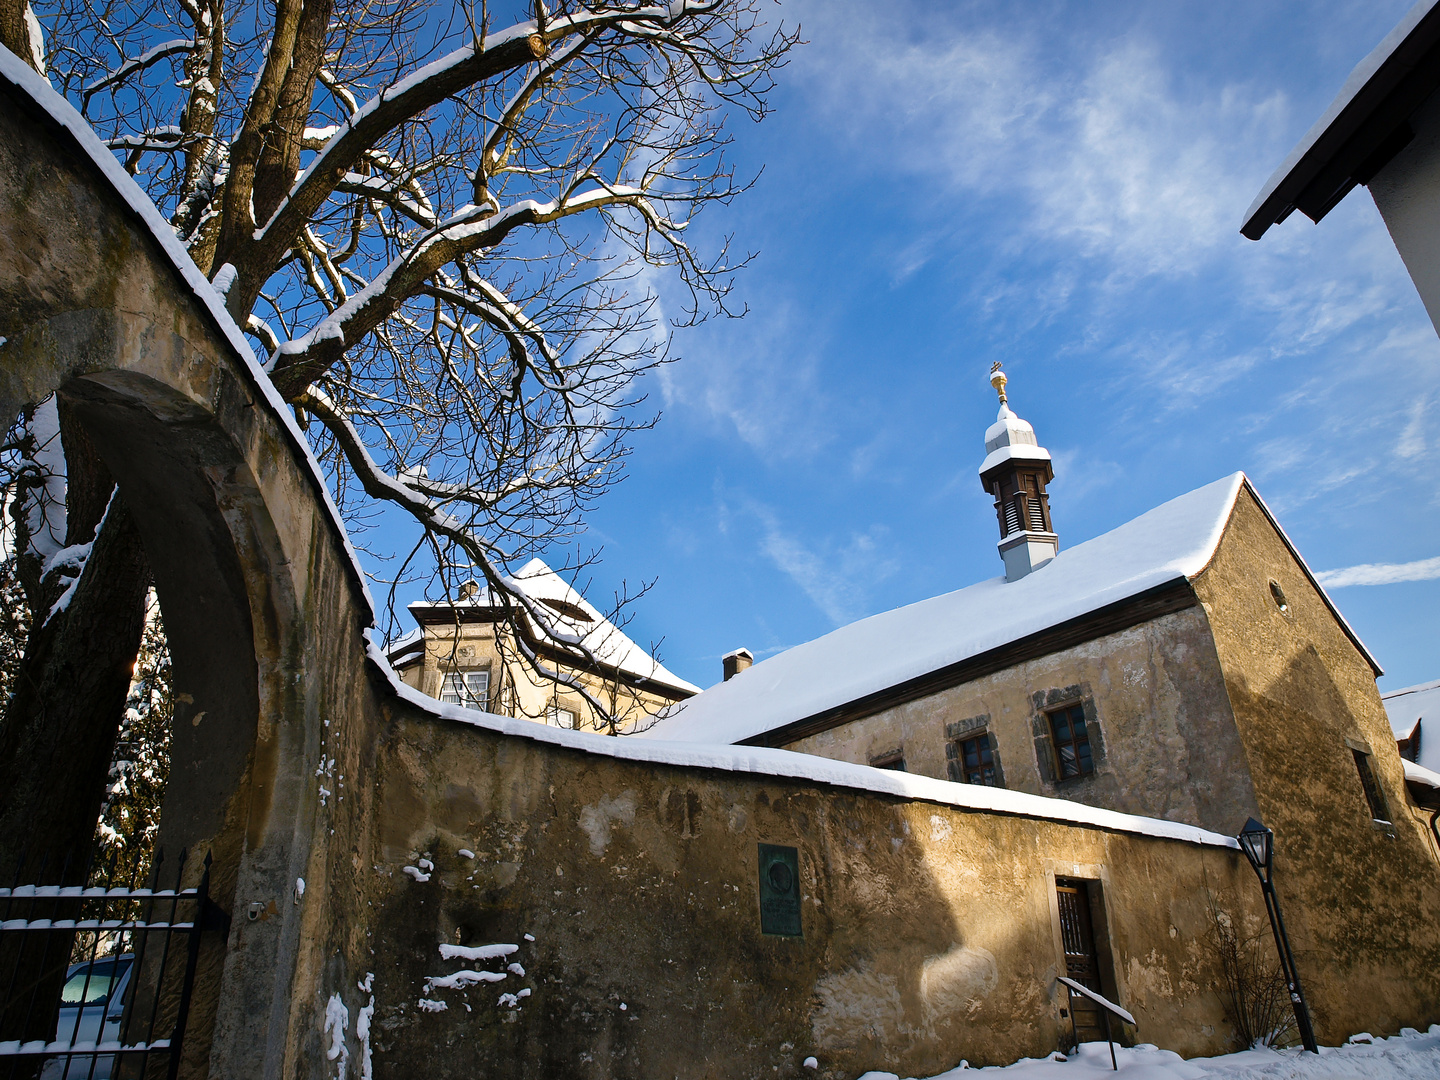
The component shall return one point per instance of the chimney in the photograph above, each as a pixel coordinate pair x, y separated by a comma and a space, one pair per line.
1015, 471
736, 662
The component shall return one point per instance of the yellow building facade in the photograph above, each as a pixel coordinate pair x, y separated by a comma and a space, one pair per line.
468, 653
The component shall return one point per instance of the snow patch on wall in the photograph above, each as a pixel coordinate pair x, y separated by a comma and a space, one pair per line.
337, 1018
476, 952
362, 1026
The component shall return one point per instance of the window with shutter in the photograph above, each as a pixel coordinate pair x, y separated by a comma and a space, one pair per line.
1373, 795
1037, 515
1012, 517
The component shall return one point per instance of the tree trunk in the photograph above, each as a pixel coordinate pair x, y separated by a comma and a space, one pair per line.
15, 31
59, 730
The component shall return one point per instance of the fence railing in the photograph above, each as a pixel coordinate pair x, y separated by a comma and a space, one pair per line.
97, 976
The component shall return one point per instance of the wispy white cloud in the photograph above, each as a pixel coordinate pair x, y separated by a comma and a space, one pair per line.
837, 577
758, 377
1380, 573
1105, 154
1411, 443
1079, 473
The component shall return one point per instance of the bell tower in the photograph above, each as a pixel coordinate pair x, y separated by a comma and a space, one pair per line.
1015, 471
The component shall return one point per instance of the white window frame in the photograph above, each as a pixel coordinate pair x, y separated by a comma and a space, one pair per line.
558, 715
468, 688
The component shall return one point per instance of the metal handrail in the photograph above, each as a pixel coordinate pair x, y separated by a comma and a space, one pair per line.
1106, 1008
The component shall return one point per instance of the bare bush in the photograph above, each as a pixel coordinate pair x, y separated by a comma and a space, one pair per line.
1257, 1000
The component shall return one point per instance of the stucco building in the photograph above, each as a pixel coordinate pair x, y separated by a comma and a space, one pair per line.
465, 653
1186, 666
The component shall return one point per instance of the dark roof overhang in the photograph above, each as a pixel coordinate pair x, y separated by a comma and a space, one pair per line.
1365, 132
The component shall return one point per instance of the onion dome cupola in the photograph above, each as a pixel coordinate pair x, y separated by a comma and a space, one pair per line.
1015, 471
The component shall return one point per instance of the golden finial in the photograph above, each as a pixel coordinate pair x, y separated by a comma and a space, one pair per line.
998, 381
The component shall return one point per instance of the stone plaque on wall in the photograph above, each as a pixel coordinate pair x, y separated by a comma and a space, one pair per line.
779, 890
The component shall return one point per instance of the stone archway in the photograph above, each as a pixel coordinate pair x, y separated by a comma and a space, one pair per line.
264, 605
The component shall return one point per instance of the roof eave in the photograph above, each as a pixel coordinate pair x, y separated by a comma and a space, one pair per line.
1168, 597
1363, 134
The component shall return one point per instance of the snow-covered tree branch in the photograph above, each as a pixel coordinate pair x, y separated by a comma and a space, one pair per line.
439, 226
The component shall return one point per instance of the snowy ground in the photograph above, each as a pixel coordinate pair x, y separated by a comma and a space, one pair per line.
1408, 1056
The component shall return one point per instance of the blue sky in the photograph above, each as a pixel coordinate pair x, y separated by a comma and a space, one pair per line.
1058, 186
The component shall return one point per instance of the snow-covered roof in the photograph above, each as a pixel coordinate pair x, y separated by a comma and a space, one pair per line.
1410, 705
1381, 79
1171, 542
1010, 437
406, 649
569, 616
403, 644
1418, 774
788, 765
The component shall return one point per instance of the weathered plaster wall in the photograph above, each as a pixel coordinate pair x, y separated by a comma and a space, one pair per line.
1360, 899
930, 933
293, 761
1156, 710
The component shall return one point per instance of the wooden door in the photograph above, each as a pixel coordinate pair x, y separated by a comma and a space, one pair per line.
1082, 960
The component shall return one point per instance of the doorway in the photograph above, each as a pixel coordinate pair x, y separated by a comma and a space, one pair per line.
1082, 955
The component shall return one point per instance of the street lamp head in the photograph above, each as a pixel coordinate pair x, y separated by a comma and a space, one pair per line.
1257, 842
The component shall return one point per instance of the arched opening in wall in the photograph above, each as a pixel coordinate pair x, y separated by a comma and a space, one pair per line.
123, 845
178, 765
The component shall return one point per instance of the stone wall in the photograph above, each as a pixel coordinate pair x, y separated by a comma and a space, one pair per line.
1157, 714
930, 934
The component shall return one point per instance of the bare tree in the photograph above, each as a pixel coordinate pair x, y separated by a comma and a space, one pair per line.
439, 226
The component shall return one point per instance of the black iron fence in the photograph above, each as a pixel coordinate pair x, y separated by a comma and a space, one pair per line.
97, 974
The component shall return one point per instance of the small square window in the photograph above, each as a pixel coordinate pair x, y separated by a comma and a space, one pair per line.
1373, 795
894, 761
977, 760
468, 688
556, 716
1071, 741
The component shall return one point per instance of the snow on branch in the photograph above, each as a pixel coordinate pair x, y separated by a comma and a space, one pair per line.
467, 66
299, 362
132, 67
409, 491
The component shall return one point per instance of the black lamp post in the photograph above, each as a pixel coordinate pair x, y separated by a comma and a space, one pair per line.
1258, 843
